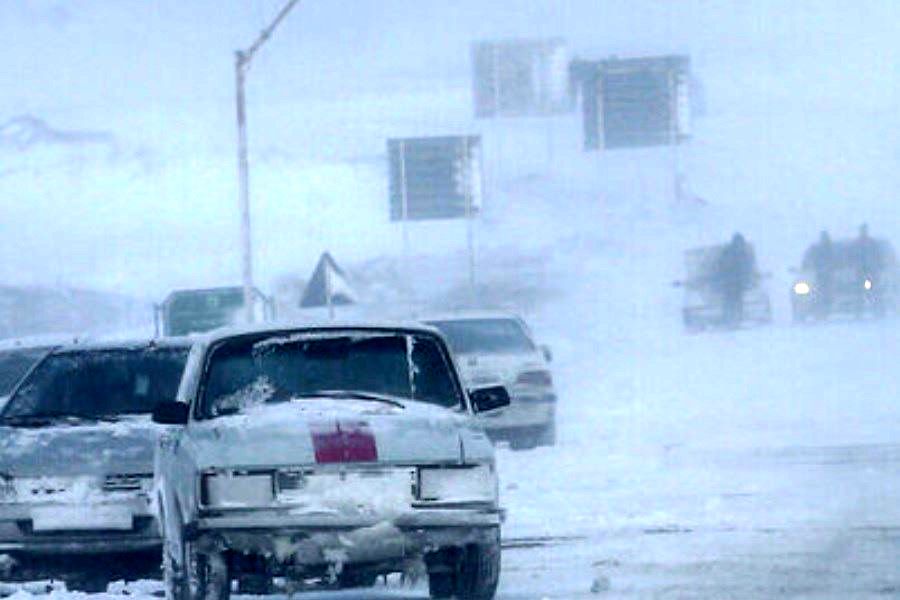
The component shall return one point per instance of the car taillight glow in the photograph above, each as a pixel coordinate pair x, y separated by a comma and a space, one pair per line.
540, 378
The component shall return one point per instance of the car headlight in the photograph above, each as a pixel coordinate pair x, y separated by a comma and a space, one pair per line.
801, 288
237, 489
457, 484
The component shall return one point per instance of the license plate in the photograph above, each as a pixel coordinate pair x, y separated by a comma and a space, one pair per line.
80, 518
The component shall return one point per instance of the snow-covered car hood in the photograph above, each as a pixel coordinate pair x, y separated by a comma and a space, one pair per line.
123, 447
486, 369
298, 433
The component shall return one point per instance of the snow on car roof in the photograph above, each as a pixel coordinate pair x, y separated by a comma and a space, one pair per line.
38, 341
283, 327
470, 315
133, 344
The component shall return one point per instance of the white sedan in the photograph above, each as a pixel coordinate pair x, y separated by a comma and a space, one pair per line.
332, 454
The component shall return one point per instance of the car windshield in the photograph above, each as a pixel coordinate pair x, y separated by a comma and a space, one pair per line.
489, 336
97, 383
14, 364
381, 366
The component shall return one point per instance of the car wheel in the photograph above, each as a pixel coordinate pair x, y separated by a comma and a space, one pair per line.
206, 574
529, 439
547, 435
525, 440
88, 584
201, 576
474, 576
174, 583
349, 580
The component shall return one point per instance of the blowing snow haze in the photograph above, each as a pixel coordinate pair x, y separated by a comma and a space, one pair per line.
685, 416
798, 119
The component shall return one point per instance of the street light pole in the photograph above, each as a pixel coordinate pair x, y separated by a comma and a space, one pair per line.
242, 60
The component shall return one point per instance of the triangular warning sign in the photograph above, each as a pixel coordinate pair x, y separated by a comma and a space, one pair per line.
328, 286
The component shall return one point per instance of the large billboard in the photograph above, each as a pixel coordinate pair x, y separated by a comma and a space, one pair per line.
635, 102
435, 177
520, 78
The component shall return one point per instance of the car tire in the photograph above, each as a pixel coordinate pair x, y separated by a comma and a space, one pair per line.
172, 580
475, 575
529, 439
547, 435
352, 580
207, 575
201, 576
523, 441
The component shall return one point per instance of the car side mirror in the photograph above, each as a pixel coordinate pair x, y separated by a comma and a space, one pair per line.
548, 354
488, 399
171, 413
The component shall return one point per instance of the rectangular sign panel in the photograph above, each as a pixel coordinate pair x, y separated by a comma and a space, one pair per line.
435, 177
520, 78
636, 102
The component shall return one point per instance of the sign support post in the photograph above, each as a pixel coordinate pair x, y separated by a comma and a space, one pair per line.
242, 60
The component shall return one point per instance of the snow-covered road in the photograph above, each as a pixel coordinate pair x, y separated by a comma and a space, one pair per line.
753, 464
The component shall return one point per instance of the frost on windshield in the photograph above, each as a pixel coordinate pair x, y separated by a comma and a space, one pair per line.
257, 393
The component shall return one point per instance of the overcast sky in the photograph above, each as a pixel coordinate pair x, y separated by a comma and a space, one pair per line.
158, 76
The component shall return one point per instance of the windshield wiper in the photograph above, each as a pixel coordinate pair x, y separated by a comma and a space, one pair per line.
351, 395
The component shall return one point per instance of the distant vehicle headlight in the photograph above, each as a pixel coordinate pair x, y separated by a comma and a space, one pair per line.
457, 484
237, 489
868, 284
801, 288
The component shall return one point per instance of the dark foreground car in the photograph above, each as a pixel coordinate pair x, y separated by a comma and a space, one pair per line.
330, 454
76, 461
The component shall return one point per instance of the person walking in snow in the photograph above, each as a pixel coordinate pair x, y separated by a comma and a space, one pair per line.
734, 275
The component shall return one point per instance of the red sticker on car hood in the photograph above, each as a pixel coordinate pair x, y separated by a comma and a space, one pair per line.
342, 442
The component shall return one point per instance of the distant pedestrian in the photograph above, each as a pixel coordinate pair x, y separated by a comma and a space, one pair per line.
733, 277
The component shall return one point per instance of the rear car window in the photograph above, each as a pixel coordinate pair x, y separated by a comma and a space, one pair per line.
469, 336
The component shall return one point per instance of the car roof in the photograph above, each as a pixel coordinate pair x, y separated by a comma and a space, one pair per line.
470, 315
131, 344
38, 341
231, 332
